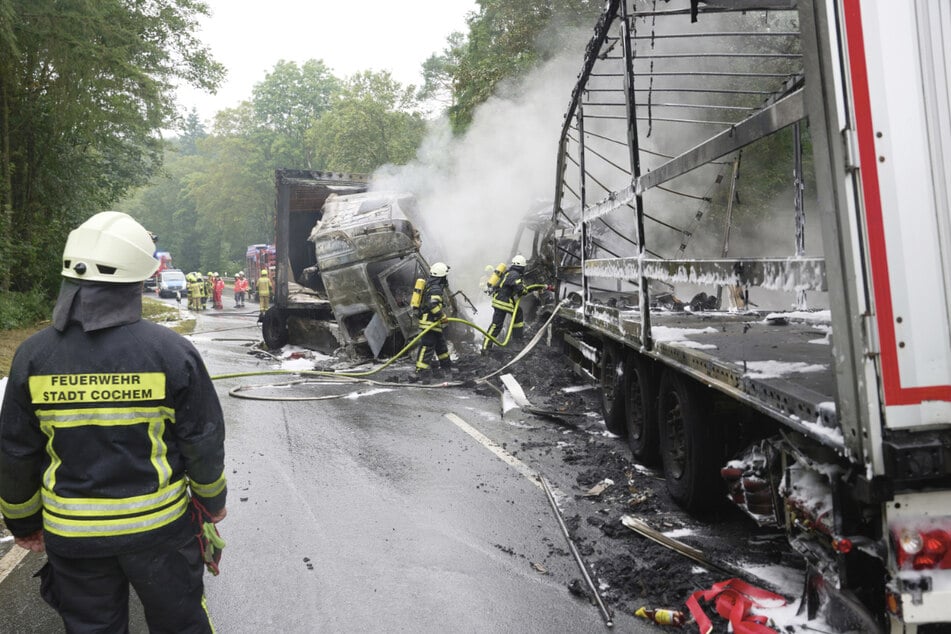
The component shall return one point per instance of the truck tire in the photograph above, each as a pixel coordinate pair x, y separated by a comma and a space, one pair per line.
639, 408
689, 443
612, 388
274, 328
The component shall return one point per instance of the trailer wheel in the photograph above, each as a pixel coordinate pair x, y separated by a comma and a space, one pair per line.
639, 408
612, 389
274, 328
689, 443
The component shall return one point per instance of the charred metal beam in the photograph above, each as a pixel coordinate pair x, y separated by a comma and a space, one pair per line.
787, 274
773, 118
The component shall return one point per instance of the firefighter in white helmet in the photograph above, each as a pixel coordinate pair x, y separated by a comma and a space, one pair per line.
112, 445
433, 354
510, 288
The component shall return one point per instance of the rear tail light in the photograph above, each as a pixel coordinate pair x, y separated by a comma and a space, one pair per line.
924, 548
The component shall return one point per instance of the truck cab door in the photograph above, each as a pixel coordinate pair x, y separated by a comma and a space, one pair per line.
397, 284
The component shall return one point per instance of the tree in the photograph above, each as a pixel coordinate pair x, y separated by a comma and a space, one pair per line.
439, 71
288, 102
85, 87
507, 38
192, 131
373, 120
226, 200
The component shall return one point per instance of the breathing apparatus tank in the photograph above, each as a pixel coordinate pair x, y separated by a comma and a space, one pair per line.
495, 278
417, 300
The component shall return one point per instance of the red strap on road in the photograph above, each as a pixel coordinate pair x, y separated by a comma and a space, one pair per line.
734, 598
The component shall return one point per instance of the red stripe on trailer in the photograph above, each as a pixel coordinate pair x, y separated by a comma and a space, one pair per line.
894, 393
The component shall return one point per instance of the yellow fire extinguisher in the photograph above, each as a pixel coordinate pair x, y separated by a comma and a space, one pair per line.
417, 300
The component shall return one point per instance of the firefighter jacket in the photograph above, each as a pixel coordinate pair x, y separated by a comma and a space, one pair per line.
240, 285
264, 285
511, 287
108, 424
431, 307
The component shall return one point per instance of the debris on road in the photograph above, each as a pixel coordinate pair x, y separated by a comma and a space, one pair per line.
662, 616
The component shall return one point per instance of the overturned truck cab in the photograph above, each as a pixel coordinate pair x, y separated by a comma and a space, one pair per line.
347, 260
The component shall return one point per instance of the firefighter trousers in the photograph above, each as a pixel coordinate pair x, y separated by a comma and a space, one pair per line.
92, 595
433, 344
498, 321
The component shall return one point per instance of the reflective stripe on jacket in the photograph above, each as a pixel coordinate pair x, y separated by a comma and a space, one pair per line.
510, 287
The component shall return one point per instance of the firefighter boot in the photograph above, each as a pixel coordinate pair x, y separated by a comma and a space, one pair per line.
422, 375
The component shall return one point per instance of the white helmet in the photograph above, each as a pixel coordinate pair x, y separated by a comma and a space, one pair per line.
518, 260
109, 247
439, 269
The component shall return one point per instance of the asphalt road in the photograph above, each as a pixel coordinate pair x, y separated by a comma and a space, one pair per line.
383, 509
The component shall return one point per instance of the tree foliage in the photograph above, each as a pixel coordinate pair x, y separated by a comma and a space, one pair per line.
507, 38
85, 86
301, 116
287, 103
209, 206
374, 121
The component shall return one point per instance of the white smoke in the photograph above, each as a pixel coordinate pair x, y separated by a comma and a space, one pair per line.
475, 189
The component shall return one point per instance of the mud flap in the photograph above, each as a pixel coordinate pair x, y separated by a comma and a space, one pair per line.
839, 607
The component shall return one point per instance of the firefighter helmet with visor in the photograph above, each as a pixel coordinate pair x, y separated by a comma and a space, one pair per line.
109, 247
518, 260
439, 269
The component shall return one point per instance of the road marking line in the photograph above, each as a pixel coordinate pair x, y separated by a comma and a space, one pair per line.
492, 446
9, 561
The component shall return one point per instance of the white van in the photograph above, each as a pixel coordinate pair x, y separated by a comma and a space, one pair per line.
171, 283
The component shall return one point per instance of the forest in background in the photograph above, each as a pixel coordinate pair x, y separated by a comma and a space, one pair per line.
87, 87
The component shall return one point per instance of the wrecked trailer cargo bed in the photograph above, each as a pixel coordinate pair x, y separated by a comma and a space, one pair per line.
302, 312
736, 353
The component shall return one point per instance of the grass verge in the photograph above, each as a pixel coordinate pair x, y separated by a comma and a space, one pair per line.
152, 309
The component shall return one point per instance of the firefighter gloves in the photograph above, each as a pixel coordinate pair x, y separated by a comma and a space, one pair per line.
211, 546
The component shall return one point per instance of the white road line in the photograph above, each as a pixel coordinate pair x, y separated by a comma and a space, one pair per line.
9, 561
492, 446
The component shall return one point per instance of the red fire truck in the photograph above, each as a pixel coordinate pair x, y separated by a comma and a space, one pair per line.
260, 257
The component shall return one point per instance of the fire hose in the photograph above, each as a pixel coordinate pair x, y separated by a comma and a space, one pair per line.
323, 375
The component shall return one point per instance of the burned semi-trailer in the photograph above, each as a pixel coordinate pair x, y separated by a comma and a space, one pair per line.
832, 424
347, 262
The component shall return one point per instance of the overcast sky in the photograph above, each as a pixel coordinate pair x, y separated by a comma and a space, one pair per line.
249, 37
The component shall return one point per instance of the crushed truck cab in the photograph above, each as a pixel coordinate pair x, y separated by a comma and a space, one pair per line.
347, 260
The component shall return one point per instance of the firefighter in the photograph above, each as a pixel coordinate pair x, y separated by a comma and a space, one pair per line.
504, 295
194, 291
264, 293
240, 289
208, 290
217, 289
112, 445
430, 310
200, 286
